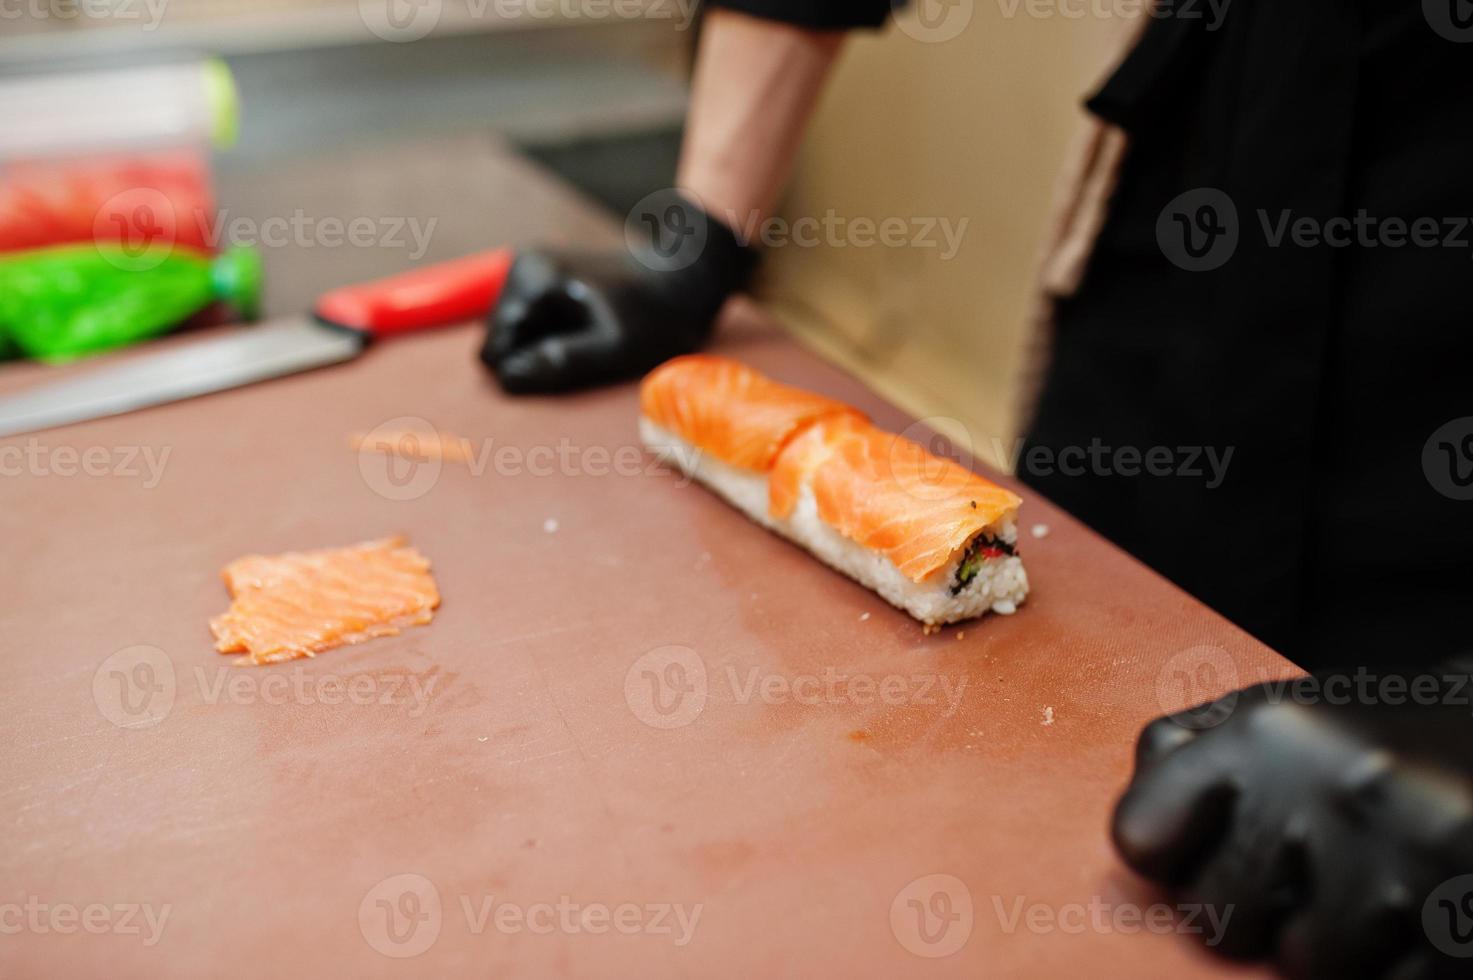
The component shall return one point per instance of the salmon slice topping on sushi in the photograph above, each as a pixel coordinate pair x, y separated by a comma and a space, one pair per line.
729, 410
887, 493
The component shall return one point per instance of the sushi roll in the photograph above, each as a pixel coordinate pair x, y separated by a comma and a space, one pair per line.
930, 536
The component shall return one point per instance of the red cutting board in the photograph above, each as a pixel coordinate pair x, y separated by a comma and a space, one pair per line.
622, 748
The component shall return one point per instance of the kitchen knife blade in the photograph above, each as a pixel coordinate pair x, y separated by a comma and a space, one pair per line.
345, 322
255, 354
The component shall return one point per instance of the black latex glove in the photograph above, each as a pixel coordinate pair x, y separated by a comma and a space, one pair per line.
1335, 831
572, 320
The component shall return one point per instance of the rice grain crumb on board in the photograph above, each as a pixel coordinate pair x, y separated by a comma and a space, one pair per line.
1040, 530
550, 525
1048, 716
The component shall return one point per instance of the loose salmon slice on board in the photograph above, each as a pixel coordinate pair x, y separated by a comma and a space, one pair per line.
301, 603
415, 443
729, 410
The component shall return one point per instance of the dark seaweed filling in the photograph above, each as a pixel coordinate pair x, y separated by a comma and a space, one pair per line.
982, 550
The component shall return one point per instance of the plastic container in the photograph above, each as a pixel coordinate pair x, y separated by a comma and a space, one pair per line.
113, 156
67, 301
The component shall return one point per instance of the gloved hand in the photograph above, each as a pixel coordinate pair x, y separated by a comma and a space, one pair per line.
573, 320
1332, 820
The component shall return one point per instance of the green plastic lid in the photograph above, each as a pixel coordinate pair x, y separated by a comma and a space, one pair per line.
236, 275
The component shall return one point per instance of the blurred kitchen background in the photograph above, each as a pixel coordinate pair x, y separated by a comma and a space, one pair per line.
925, 121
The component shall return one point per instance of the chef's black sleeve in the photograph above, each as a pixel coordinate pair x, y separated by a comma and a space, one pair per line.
824, 15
